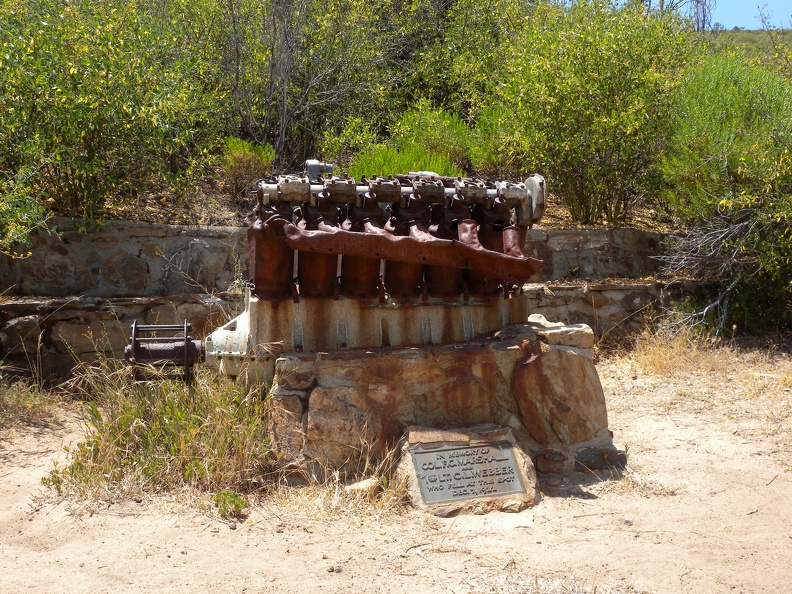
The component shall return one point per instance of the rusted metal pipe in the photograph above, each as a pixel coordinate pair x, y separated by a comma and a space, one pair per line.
164, 345
496, 235
271, 260
317, 271
404, 278
446, 281
360, 275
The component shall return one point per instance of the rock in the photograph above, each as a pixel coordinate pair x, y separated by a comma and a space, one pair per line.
356, 405
599, 458
392, 398
126, 273
578, 335
294, 373
54, 272
560, 397
333, 376
447, 511
20, 336
341, 429
286, 419
96, 336
513, 506
553, 462
636, 300
541, 321
366, 488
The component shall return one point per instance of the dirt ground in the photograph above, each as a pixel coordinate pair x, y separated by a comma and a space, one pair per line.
703, 508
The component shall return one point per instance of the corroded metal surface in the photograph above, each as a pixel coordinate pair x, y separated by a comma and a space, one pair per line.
164, 345
271, 260
407, 261
426, 230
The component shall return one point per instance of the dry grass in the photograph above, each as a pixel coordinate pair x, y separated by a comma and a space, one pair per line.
187, 445
334, 497
682, 352
692, 373
636, 480
24, 403
163, 436
204, 446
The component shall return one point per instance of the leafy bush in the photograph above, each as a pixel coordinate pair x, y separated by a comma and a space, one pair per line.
732, 131
460, 65
244, 163
730, 173
492, 143
584, 98
20, 212
230, 504
98, 101
423, 139
434, 130
341, 147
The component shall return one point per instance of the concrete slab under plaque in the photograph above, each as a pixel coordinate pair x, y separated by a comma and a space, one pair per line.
469, 470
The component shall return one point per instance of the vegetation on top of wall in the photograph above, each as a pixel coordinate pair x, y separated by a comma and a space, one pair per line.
423, 139
99, 104
109, 103
245, 162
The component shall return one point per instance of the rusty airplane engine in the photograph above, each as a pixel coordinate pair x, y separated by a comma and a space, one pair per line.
399, 261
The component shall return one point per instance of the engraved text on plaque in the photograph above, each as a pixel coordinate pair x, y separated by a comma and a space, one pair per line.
458, 473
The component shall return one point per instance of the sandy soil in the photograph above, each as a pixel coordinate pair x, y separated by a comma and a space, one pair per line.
703, 508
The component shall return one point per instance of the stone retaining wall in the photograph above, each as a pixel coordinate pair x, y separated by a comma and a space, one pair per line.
131, 259
52, 334
128, 259
96, 283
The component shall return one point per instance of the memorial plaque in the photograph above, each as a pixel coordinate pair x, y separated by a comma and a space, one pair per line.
459, 473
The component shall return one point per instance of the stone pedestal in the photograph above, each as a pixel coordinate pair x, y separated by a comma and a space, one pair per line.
338, 409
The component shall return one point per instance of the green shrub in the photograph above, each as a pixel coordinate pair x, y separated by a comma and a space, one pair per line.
230, 504
99, 101
340, 148
164, 435
424, 139
584, 97
20, 213
732, 132
22, 401
380, 159
729, 170
436, 131
491, 144
244, 163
